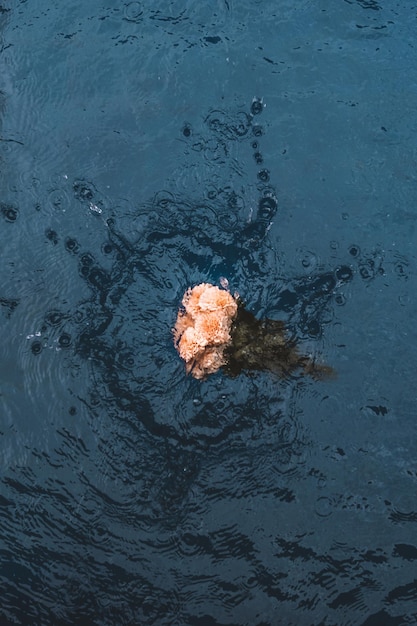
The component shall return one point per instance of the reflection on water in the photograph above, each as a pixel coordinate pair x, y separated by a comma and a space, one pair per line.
131, 493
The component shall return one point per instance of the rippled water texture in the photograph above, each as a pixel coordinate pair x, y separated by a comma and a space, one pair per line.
149, 146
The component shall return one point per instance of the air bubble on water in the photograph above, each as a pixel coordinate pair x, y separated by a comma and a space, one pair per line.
95, 208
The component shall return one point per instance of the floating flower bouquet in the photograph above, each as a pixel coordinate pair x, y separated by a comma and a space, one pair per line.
213, 330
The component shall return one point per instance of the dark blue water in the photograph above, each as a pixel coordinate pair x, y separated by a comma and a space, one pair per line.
149, 146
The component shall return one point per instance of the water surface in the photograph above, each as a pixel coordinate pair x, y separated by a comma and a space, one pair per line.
149, 146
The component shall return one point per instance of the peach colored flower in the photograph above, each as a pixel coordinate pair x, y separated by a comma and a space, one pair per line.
202, 329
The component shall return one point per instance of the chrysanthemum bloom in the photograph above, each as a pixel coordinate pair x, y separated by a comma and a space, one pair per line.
213, 330
202, 329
